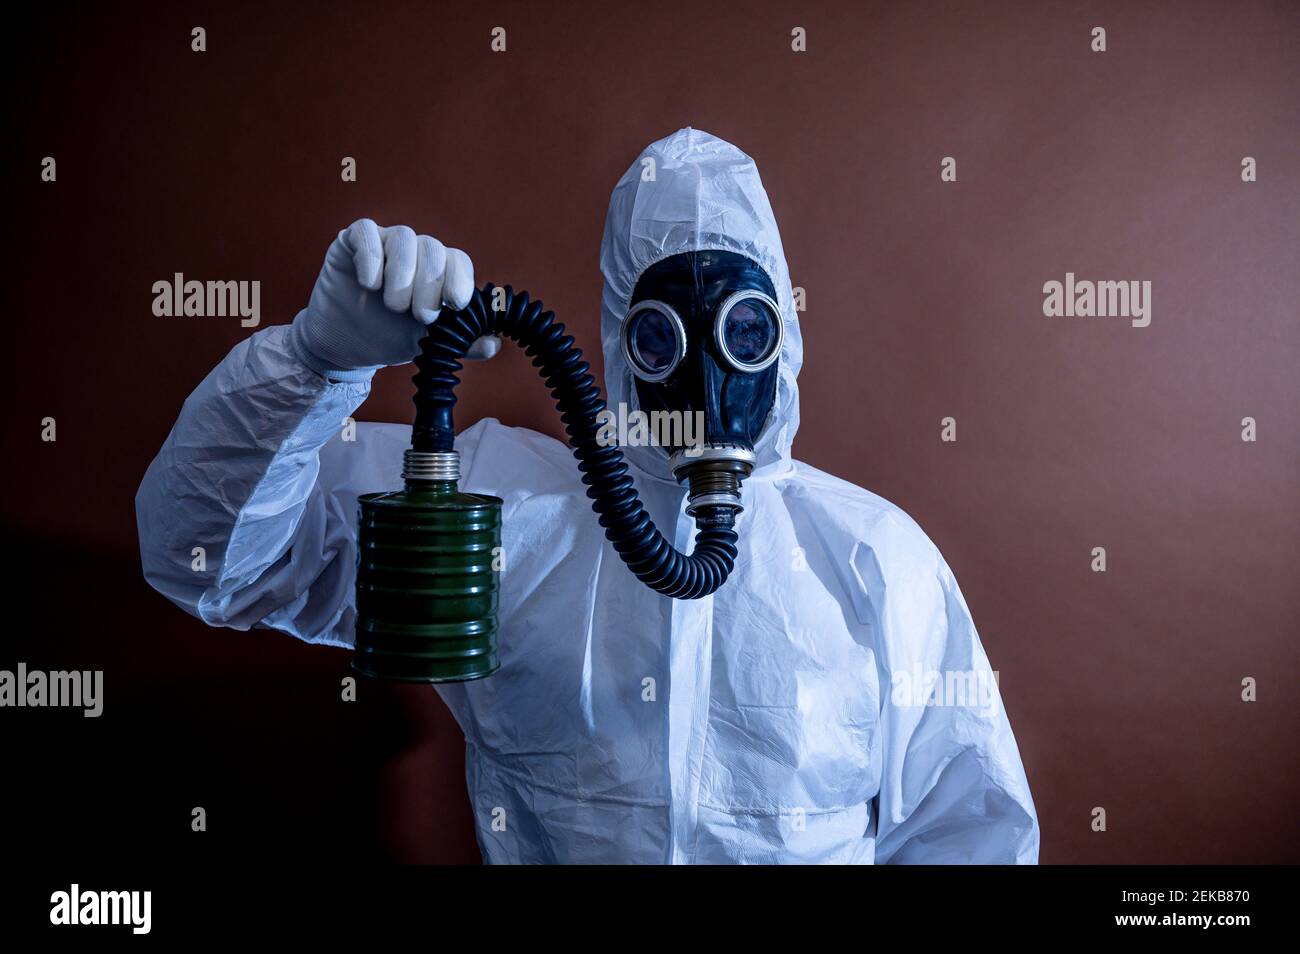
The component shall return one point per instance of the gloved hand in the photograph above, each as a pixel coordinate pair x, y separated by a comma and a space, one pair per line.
378, 289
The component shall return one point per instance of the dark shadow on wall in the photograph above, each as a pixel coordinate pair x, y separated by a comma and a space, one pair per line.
250, 726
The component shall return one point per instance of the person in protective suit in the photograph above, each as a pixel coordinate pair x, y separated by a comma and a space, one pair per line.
781, 719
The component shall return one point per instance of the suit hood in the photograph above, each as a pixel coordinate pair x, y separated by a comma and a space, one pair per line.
689, 192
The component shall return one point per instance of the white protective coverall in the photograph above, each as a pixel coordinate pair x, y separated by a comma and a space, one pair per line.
779, 720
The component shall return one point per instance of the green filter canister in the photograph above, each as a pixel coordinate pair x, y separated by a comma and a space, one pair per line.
427, 583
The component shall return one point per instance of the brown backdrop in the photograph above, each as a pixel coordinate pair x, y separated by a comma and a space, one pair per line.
924, 301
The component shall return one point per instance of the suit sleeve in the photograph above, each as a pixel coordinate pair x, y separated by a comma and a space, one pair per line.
247, 515
953, 790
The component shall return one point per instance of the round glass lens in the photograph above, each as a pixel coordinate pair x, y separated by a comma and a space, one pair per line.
749, 331
653, 340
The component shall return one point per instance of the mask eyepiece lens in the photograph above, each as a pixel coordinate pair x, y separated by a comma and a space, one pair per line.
749, 331
654, 340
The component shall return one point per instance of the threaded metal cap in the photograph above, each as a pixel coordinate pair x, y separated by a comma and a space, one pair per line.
431, 465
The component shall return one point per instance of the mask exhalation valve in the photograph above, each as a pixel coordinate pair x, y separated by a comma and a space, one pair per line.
713, 475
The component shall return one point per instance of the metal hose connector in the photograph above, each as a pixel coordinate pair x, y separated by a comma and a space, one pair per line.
431, 465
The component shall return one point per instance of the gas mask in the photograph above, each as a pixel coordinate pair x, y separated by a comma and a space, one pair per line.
702, 336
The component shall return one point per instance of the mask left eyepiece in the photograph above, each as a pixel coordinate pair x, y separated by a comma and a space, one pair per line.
654, 340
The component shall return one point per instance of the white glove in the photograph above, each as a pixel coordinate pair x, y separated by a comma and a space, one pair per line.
378, 289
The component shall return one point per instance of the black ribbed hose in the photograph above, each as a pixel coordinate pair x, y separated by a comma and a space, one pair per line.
653, 560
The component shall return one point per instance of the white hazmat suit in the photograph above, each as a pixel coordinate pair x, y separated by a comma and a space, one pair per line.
782, 719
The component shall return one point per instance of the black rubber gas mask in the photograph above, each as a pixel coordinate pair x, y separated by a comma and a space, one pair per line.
703, 337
